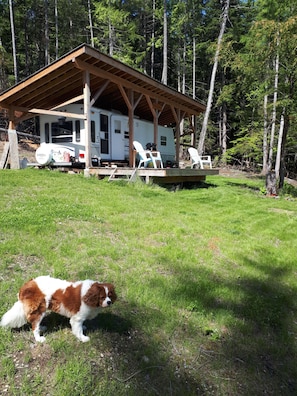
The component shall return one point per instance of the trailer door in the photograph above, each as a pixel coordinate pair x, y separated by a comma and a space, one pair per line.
118, 124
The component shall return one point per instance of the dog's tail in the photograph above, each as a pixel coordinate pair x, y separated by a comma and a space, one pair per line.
15, 317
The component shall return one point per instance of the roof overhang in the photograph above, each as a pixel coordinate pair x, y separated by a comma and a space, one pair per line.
111, 83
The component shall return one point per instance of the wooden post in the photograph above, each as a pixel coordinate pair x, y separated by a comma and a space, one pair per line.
87, 121
156, 130
13, 149
131, 128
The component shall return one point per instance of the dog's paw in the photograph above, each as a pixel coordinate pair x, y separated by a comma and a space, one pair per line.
84, 338
40, 338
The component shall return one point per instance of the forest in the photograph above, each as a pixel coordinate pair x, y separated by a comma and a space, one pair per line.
236, 56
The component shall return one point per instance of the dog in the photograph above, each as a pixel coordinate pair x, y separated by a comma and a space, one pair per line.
78, 301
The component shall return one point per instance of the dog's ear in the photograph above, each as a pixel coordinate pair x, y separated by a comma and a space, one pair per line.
94, 295
111, 292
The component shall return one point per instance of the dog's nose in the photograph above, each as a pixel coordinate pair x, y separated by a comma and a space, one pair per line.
109, 302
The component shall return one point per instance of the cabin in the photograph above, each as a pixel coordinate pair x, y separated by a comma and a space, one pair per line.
71, 93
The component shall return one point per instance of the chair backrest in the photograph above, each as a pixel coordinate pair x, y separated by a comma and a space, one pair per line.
138, 146
194, 154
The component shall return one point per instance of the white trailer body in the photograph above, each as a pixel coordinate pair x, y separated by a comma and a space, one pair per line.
109, 137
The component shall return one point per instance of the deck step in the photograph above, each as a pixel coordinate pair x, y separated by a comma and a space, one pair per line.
128, 175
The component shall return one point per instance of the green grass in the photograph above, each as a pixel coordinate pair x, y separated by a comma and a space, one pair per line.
205, 277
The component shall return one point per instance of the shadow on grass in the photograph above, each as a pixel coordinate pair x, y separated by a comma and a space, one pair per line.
256, 351
243, 185
187, 186
141, 365
122, 354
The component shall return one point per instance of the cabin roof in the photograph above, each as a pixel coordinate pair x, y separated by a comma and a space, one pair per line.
111, 83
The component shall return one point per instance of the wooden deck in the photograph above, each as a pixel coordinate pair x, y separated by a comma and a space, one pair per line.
158, 176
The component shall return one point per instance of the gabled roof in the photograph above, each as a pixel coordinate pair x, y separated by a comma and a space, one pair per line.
110, 81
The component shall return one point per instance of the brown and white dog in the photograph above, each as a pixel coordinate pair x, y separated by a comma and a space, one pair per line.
76, 300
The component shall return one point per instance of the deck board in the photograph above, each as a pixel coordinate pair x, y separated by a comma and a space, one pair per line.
162, 176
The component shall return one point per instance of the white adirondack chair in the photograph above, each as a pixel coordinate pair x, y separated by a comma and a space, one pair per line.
199, 160
146, 156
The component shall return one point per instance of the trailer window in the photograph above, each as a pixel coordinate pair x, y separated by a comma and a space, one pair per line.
93, 132
103, 123
117, 126
62, 132
104, 132
46, 133
163, 140
77, 130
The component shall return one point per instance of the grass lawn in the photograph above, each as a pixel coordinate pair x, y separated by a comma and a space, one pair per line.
205, 277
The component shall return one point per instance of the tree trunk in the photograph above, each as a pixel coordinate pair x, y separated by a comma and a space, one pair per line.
110, 37
153, 40
57, 29
91, 23
224, 129
46, 34
193, 135
279, 144
165, 49
273, 120
282, 172
271, 183
265, 136
213, 77
15, 66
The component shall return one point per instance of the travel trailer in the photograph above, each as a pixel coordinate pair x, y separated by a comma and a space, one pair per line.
63, 139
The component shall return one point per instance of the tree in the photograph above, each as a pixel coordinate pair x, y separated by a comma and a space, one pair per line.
165, 45
15, 64
226, 4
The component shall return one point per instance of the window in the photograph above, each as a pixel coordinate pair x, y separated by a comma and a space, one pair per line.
103, 123
62, 132
104, 132
163, 140
93, 132
46, 133
117, 126
77, 130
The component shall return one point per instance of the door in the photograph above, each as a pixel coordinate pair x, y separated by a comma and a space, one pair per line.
118, 124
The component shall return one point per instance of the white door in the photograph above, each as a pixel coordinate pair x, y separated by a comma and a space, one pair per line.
118, 126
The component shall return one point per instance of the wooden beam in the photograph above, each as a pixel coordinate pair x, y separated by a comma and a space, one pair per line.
131, 129
129, 84
137, 101
87, 111
58, 113
68, 102
99, 92
125, 97
154, 107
